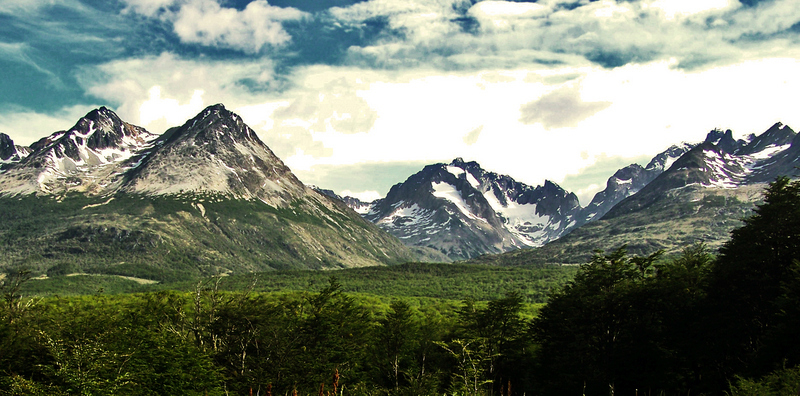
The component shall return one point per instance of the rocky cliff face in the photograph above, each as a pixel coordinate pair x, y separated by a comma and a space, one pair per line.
628, 181
720, 162
10, 154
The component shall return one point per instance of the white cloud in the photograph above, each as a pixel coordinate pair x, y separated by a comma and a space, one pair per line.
250, 30
586, 194
699, 33
674, 8
332, 105
148, 8
560, 108
206, 22
504, 14
425, 115
160, 113
610, 9
139, 86
768, 18
472, 137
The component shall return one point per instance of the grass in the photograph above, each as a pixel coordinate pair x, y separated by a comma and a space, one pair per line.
454, 282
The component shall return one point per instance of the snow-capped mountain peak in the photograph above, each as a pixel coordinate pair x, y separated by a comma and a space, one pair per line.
464, 211
82, 158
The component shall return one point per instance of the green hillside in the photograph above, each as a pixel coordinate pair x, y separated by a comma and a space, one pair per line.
181, 237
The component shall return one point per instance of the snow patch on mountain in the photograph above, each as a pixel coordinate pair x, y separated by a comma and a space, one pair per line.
453, 195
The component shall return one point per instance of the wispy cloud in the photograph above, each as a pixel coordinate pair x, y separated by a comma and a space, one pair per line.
452, 34
472, 137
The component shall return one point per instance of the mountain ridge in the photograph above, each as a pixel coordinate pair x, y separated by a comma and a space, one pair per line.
720, 161
700, 197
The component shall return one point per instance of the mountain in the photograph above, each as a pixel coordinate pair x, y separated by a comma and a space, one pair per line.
628, 181
207, 197
84, 158
10, 153
716, 163
214, 152
354, 203
464, 211
700, 197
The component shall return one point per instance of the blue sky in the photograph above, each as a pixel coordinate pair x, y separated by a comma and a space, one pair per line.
357, 95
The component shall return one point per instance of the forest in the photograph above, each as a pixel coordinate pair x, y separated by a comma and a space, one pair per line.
699, 323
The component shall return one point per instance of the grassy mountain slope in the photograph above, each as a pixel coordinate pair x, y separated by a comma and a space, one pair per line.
182, 236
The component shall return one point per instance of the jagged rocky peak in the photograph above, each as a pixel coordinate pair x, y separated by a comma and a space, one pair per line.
463, 210
460, 163
109, 130
716, 135
626, 174
216, 123
215, 152
99, 129
7, 147
724, 140
777, 135
662, 161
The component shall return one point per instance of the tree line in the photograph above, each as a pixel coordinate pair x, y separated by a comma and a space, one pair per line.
692, 324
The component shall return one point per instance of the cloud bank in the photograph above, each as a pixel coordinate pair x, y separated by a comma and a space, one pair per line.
535, 90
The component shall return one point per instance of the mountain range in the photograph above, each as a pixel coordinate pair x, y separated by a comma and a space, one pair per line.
465, 211
208, 197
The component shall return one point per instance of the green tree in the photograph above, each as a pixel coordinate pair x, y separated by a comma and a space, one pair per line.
783, 382
332, 334
590, 334
748, 282
394, 347
502, 333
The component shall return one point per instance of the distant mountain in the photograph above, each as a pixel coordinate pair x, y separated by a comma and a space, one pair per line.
10, 153
720, 163
356, 204
204, 198
464, 211
628, 181
700, 197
